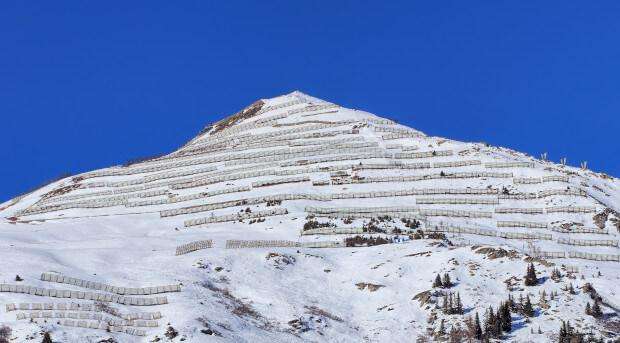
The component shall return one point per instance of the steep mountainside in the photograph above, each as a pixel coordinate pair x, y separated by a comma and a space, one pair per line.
296, 219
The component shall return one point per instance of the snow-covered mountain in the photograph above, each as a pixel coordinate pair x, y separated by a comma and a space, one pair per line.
259, 228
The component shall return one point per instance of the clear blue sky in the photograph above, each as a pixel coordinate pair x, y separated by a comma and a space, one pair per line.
87, 84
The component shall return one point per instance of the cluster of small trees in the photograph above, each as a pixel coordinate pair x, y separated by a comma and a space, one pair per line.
523, 307
5, 334
442, 283
313, 224
412, 224
359, 241
595, 310
452, 304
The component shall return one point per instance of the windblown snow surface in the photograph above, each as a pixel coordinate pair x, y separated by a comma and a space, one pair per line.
292, 161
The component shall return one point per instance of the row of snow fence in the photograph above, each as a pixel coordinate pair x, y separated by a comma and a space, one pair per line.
85, 307
293, 155
455, 213
98, 200
238, 202
394, 129
332, 231
571, 209
594, 257
103, 297
555, 178
510, 210
457, 201
96, 325
588, 242
552, 192
189, 197
423, 154
272, 182
354, 210
59, 278
335, 158
521, 235
550, 254
577, 254
537, 180
576, 229
400, 135
235, 217
99, 317
527, 180
461, 230
193, 246
240, 244
530, 225
435, 176
323, 244
509, 165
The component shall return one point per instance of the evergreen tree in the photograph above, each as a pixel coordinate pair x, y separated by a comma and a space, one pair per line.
563, 333
497, 330
506, 318
459, 304
489, 322
47, 338
597, 312
450, 304
588, 309
447, 283
442, 329
477, 328
530, 276
528, 310
437, 283
445, 308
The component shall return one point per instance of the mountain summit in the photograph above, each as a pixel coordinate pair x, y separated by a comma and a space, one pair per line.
296, 219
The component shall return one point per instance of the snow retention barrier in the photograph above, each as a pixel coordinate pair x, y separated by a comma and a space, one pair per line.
58, 278
531, 225
323, 244
87, 307
60, 293
240, 244
293, 179
549, 254
521, 235
235, 217
570, 209
102, 326
457, 201
395, 209
509, 165
98, 316
594, 257
332, 231
580, 230
193, 246
588, 242
423, 154
411, 178
455, 229
507, 210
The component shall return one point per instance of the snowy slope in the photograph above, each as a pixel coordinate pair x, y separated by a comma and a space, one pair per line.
283, 163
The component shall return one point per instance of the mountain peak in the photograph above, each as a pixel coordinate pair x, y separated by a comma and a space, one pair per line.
265, 209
